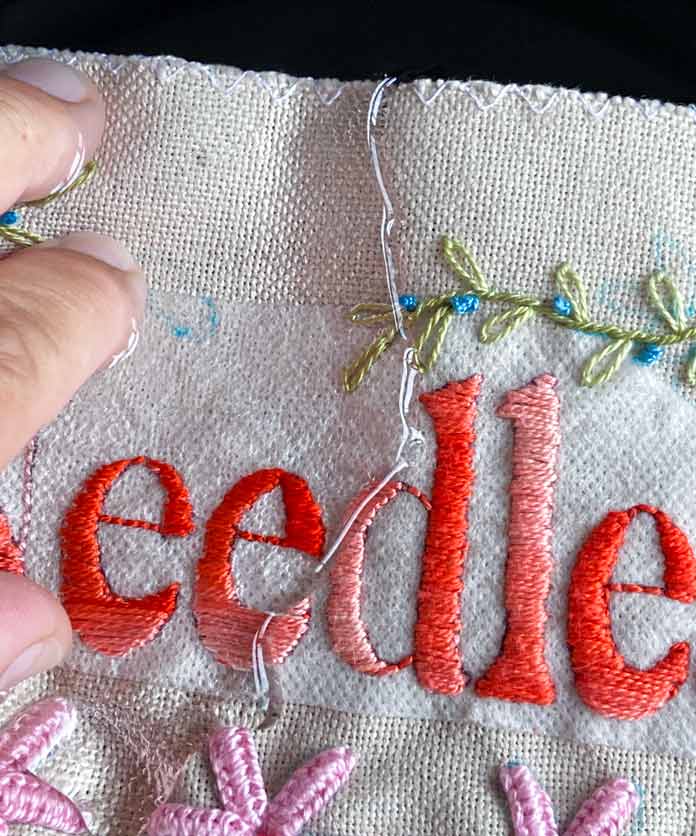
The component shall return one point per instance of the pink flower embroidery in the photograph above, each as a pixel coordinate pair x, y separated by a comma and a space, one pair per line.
24, 741
246, 810
605, 813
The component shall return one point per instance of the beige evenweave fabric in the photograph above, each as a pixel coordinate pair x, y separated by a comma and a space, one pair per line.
414, 777
250, 195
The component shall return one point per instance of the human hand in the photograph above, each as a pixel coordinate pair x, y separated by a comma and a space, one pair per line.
66, 307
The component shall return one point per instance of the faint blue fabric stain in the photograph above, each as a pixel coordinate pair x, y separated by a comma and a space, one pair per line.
665, 245
638, 823
195, 334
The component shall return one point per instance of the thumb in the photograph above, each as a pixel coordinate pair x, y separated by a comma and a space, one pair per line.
35, 632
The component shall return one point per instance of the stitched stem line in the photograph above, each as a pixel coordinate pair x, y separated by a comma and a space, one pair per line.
568, 310
23, 237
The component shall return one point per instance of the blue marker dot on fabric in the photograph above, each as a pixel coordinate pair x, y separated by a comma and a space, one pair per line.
466, 304
181, 332
648, 354
562, 306
408, 302
9, 218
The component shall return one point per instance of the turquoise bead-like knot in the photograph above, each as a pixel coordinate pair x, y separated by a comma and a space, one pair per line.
408, 302
648, 354
9, 218
466, 304
562, 306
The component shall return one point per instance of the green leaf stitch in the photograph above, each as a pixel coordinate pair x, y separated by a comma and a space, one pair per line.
429, 322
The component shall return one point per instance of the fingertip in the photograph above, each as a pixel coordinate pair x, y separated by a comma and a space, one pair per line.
35, 630
112, 253
52, 91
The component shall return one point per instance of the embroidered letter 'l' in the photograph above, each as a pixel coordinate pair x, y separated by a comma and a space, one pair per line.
437, 657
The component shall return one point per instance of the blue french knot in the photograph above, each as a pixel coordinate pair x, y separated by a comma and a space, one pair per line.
408, 302
648, 354
467, 304
9, 218
562, 306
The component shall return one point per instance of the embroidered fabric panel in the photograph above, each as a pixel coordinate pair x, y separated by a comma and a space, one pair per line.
611, 456
185, 494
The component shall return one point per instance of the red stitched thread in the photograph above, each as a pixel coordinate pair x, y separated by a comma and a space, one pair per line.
107, 622
520, 673
436, 656
226, 626
603, 678
128, 523
347, 630
11, 558
635, 587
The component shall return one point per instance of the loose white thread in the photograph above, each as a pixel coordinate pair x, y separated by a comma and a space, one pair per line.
266, 699
133, 341
387, 206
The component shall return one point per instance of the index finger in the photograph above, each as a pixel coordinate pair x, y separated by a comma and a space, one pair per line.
51, 122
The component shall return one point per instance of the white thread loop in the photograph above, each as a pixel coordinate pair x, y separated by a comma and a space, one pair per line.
373, 112
266, 681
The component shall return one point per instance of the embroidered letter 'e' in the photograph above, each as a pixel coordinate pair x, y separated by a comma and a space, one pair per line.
226, 626
603, 678
105, 621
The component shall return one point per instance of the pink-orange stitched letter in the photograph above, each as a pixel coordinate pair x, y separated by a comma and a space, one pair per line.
603, 678
227, 627
520, 673
436, 655
107, 622
347, 630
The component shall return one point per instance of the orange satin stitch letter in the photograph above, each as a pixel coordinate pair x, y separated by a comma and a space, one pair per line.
107, 622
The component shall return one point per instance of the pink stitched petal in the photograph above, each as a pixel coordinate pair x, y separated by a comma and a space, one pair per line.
178, 820
307, 792
530, 806
236, 766
29, 736
26, 799
4, 829
607, 811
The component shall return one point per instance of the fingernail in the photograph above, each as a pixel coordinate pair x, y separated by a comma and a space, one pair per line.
56, 79
102, 247
35, 659
111, 252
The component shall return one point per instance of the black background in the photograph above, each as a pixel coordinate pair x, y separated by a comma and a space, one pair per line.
619, 47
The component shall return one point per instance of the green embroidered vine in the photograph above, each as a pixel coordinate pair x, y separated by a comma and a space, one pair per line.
430, 318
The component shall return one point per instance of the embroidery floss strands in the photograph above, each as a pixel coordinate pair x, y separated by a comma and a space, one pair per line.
349, 635
12, 551
605, 813
605, 681
521, 673
568, 309
23, 237
410, 436
246, 809
24, 742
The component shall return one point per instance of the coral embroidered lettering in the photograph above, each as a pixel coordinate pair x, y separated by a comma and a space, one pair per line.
603, 678
226, 626
111, 624
107, 622
437, 657
521, 673
348, 633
